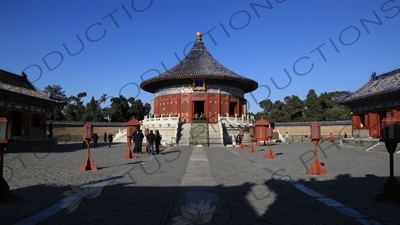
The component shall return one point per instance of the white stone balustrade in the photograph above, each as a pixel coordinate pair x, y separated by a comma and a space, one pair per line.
236, 121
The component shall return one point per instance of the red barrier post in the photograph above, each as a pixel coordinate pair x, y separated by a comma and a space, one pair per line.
88, 164
129, 134
316, 167
251, 132
270, 153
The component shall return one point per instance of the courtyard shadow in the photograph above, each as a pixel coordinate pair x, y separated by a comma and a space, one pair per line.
18, 147
278, 201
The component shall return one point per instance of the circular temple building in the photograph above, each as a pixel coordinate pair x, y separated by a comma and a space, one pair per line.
199, 87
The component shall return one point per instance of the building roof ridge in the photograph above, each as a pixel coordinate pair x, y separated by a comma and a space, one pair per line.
377, 85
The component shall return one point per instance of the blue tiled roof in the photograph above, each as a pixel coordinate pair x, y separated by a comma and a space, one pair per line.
378, 85
201, 65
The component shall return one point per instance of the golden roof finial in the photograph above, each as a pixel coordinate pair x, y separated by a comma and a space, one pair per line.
198, 36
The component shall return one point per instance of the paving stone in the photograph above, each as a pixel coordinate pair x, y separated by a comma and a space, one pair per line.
245, 188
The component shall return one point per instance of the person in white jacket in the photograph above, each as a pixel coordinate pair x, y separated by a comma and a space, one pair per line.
287, 138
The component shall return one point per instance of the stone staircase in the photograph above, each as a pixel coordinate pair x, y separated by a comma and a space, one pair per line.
183, 134
380, 147
199, 134
120, 136
215, 134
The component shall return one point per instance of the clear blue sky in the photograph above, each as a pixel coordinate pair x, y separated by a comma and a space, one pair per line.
335, 47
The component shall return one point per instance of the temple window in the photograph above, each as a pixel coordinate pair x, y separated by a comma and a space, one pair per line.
199, 85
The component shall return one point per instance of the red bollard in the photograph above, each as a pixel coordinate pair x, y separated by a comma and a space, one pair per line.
251, 132
270, 154
88, 164
316, 167
251, 149
129, 154
129, 133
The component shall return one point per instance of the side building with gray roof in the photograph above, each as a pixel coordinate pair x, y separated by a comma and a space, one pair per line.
379, 98
24, 106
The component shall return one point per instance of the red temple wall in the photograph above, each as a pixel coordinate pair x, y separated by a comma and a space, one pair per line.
184, 104
371, 120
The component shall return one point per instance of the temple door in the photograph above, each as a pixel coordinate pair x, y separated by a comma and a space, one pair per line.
224, 108
374, 128
354, 123
185, 112
213, 114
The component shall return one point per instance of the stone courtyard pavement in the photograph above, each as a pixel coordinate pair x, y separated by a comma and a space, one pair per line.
200, 185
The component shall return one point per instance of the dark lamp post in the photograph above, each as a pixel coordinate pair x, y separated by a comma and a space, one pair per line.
390, 130
5, 137
391, 136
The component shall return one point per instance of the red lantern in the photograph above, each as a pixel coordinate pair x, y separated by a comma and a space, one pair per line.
315, 131
87, 131
251, 131
130, 130
391, 130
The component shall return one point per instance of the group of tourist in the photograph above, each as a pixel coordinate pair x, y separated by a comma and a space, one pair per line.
153, 139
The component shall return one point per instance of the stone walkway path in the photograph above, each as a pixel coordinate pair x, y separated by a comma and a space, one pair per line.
183, 185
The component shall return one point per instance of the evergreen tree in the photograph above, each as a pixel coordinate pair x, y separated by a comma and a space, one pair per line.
268, 108
294, 108
75, 109
93, 111
55, 112
313, 110
119, 110
279, 114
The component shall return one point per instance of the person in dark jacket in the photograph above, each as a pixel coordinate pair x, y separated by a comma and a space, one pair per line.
95, 138
150, 142
141, 137
110, 139
105, 137
51, 130
136, 141
157, 141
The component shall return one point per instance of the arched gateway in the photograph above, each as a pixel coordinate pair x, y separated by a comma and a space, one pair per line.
199, 86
